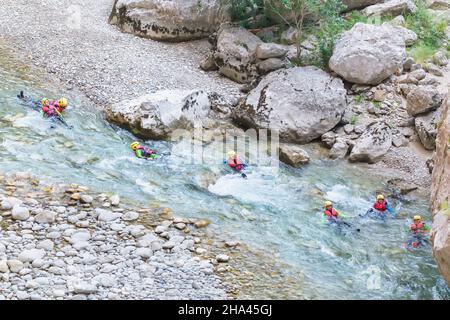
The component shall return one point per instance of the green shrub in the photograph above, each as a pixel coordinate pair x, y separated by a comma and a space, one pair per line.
430, 32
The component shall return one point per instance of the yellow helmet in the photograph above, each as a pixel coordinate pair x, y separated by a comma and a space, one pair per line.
380, 197
231, 153
44, 101
63, 102
417, 217
327, 204
134, 145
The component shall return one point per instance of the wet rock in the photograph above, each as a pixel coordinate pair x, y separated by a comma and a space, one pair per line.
400, 186
158, 115
293, 155
368, 54
202, 223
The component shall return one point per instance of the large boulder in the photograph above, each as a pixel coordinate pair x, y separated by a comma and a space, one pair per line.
302, 103
158, 114
373, 144
426, 128
236, 53
390, 8
440, 194
358, 4
293, 155
167, 20
368, 54
423, 99
409, 36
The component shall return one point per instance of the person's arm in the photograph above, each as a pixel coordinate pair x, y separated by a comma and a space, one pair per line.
389, 208
340, 214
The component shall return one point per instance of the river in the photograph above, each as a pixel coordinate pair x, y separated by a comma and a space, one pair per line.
276, 212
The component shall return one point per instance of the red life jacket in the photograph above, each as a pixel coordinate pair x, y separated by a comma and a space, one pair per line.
418, 228
236, 163
57, 106
331, 214
49, 111
380, 206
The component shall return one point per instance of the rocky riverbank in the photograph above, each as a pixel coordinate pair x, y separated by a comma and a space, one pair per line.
60, 241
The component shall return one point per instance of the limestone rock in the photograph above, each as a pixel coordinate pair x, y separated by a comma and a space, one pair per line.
368, 54
302, 103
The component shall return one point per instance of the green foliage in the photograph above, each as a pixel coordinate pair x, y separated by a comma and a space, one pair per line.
359, 98
244, 10
354, 120
430, 32
331, 25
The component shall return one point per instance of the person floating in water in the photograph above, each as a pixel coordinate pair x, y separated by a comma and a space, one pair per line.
235, 163
380, 208
53, 108
333, 217
419, 231
143, 152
